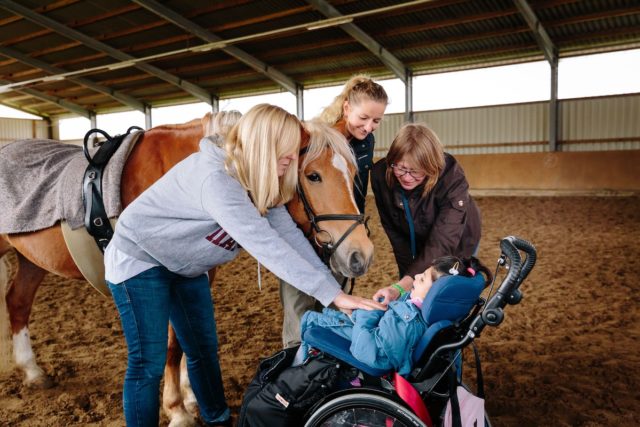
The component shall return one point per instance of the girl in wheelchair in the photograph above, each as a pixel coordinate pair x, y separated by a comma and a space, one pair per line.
386, 340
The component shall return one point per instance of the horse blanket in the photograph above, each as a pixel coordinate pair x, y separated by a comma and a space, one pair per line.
41, 183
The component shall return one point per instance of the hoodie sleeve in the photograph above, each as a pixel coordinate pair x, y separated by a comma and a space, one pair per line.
281, 221
228, 203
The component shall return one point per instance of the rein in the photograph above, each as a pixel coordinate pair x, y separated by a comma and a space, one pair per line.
327, 249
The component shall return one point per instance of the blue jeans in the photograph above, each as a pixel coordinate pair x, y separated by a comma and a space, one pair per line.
146, 303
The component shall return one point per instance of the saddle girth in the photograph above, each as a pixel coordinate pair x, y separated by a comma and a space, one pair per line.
96, 220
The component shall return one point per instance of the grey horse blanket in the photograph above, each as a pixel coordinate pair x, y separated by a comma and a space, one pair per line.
41, 183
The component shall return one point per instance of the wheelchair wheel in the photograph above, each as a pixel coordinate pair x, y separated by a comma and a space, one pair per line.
363, 410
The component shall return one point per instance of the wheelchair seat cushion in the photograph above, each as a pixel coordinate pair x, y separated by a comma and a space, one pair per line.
337, 346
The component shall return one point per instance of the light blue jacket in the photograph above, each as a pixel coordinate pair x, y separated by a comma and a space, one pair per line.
381, 339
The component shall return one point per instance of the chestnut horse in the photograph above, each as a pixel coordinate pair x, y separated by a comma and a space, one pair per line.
327, 170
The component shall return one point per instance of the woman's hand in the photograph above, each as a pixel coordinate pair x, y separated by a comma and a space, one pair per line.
347, 303
386, 295
391, 293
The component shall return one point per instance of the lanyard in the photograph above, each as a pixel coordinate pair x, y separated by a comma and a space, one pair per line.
407, 214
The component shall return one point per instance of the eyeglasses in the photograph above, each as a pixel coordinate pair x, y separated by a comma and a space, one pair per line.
400, 171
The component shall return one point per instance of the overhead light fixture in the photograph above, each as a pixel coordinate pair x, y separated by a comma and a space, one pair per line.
53, 78
119, 65
332, 22
209, 46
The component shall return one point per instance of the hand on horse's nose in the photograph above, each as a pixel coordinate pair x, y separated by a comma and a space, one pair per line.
357, 264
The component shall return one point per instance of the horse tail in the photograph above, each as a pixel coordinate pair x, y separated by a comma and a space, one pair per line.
5, 339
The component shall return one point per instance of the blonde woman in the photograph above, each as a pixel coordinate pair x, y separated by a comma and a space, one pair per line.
356, 112
193, 219
424, 204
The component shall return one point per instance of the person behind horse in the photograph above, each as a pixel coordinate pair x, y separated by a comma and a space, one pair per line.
356, 112
194, 218
385, 339
425, 208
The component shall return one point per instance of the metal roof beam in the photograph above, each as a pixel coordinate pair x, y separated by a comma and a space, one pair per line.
539, 32
387, 58
36, 63
70, 106
551, 54
197, 91
164, 12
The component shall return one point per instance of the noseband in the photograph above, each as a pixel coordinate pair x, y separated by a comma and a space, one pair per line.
327, 249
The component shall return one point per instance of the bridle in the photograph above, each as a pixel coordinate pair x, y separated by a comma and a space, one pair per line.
327, 249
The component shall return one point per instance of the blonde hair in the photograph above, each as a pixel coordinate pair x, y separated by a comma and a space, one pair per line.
358, 88
323, 136
220, 123
254, 145
417, 141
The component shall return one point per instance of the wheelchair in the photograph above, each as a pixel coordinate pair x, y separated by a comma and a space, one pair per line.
457, 317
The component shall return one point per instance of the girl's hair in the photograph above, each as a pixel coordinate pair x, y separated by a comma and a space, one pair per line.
421, 144
467, 267
220, 123
358, 88
254, 145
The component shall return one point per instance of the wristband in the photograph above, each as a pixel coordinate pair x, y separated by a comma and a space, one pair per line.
399, 288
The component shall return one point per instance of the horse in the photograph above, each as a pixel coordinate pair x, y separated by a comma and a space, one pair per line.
325, 195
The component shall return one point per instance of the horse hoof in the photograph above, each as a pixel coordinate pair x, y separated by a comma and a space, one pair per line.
39, 383
182, 420
191, 406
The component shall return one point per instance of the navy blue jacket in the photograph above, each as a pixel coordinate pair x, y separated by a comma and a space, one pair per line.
363, 150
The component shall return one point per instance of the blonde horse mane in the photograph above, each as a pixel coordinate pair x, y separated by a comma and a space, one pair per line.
324, 136
5, 338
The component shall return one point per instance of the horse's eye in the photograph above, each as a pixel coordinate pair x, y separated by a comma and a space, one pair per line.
314, 177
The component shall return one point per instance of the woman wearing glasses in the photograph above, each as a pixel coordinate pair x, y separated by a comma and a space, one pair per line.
424, 204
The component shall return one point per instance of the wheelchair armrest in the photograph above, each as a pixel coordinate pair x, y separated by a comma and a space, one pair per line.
338, 347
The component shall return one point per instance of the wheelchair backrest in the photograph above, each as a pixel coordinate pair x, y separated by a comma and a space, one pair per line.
449, 300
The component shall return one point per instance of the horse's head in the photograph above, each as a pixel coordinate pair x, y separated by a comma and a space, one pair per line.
325, 207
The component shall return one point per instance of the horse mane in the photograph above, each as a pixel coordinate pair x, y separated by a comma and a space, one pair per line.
323, 136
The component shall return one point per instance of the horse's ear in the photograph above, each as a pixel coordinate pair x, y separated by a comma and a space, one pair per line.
305, 137
206, 124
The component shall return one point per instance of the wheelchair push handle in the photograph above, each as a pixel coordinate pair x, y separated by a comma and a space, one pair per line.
511, 246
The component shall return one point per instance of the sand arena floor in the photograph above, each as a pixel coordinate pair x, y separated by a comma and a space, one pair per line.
568, 355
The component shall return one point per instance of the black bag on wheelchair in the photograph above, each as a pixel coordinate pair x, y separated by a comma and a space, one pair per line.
280, 394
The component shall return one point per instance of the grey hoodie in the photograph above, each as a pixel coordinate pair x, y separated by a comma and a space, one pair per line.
195, 216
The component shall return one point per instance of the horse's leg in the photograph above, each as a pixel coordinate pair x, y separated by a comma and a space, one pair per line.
22, 291
171, 396
188, 397
5, 345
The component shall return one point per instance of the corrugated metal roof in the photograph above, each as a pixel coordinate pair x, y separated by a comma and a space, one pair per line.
426, 37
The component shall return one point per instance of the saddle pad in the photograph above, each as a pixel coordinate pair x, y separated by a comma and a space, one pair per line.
41, 183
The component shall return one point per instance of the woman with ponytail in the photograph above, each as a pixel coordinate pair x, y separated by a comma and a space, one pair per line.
356, 112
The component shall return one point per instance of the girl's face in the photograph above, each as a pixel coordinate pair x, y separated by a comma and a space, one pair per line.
284, 162
406, 172
422, 283
362, 119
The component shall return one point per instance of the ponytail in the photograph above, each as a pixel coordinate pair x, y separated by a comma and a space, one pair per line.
356, 89
466, 267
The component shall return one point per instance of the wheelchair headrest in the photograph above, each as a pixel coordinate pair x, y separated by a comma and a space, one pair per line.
451, 298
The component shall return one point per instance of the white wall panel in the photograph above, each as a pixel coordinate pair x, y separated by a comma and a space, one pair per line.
12, 129
589, 124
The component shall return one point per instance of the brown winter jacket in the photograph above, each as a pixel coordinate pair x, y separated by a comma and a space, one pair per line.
446, 220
